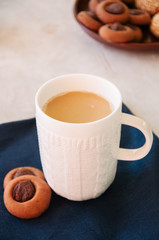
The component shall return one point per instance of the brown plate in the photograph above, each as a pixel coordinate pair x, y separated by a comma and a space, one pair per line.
149, 41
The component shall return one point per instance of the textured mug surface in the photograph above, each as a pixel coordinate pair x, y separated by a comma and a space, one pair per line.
79, 160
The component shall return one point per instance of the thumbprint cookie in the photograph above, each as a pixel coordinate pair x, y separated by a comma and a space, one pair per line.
116, 32
89, 20
111, 11
139, 17
27, 196
16, 172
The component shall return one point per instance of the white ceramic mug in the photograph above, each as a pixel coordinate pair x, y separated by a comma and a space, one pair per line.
79, 160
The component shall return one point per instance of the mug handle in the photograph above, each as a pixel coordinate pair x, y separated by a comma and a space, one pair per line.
138, 153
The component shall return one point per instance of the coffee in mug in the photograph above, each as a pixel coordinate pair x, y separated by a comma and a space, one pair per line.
77, 107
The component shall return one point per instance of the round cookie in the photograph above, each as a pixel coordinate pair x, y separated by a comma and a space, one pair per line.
89, 20
92, 4
111, 11
139, 17
27, 196
117, 32
152, 6
16, 172
154, 26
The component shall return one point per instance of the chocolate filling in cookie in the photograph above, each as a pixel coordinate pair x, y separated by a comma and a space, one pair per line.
92, 15
114, 8
136, 12
23, 171
117, 27
23, 191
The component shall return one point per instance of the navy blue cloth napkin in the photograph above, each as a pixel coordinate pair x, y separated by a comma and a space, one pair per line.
128, 210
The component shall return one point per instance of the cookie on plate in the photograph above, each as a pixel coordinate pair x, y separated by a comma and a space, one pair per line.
111, 11
152, 6
117, 32
154, 26
139, 17
89, 20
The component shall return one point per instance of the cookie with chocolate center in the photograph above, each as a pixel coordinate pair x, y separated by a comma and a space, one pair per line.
139, 17
20, 171
27, 196
117, 32
111, 11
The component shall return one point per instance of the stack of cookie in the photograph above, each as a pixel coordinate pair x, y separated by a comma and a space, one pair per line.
119, 21
26, 193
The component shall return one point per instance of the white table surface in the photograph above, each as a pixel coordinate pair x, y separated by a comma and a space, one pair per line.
41, 39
